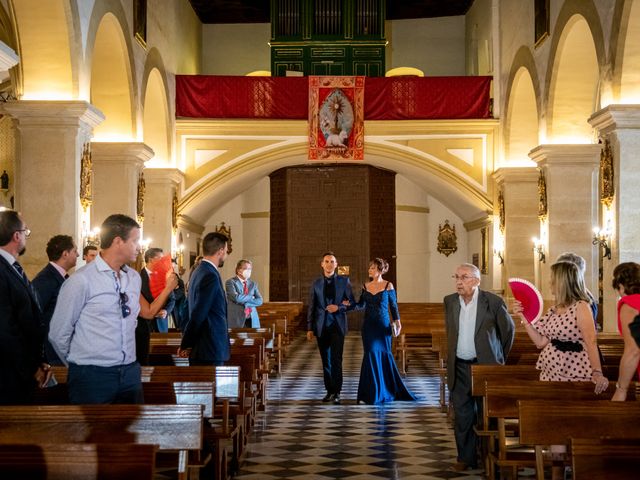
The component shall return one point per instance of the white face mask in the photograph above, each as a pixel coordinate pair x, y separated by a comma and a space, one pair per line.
246, 274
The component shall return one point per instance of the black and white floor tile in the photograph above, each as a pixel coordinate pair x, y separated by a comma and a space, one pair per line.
299, 437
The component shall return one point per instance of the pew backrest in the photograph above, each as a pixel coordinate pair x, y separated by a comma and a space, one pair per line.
78, 461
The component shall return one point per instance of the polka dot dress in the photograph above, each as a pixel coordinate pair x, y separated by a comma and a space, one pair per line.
562, 366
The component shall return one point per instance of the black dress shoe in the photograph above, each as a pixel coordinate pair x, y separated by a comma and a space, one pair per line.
328, 397
336, 399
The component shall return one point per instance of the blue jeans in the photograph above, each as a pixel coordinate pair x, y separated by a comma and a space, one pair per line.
91, 384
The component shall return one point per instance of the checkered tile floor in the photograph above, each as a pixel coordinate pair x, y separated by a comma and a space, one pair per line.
299, 437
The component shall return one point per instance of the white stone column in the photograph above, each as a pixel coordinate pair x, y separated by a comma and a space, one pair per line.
621, 124
162, 184
520, 191
571, 173
116, 168
51, 135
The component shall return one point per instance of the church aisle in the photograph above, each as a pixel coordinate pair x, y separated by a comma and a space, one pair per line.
299, 437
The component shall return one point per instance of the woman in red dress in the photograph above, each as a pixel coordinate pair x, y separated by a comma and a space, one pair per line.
626, 281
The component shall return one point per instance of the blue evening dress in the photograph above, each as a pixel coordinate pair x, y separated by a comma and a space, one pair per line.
380, 380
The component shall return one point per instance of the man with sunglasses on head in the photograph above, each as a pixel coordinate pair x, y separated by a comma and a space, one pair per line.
93, 325
479, 330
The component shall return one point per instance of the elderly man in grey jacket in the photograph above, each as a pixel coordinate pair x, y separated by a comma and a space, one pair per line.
479, 330
243, 297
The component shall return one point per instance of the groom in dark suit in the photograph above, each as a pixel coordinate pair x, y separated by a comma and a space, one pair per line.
479, 330
327, 320
205, 339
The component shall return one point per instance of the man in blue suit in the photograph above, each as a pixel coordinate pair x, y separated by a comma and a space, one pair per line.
327, 320
205, 339
243, 297
63, 255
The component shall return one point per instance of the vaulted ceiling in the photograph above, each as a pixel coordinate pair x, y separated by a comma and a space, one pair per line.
257, 11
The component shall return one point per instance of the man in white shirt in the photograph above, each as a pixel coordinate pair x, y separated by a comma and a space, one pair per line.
479, 330
93, 325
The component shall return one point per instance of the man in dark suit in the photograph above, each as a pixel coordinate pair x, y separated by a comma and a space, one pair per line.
63, 255
158, 324
205, 339
327, 320
479, 330
22, 330
243, 297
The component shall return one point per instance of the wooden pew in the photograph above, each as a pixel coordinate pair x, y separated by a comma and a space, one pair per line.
174, 428
176, 385
78, 461
610, 458
501, 403
544, 422
418, 319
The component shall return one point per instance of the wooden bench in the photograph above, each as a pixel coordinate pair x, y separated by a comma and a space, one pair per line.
610, 458
418, 320
78, 461
501, 403
544, 422
173, 428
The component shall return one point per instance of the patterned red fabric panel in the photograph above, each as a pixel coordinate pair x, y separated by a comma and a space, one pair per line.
392, 98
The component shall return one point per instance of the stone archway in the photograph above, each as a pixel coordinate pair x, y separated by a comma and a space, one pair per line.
574, 83
630, 62
156, 121
111, 82
521, 127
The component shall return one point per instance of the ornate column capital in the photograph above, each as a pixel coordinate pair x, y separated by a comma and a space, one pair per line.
515, 175
54, 113
170, 176
616, 117
566, 154
133, 153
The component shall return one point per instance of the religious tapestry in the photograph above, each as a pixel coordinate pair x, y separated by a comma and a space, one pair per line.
336, 118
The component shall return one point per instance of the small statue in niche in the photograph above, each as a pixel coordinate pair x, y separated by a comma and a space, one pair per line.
4, 180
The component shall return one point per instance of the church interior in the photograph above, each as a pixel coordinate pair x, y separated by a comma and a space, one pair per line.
194, 116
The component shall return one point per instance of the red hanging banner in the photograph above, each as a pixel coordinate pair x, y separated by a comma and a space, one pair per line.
336, 118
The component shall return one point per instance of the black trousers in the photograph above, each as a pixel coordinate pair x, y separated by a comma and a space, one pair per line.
466, 410
331, 345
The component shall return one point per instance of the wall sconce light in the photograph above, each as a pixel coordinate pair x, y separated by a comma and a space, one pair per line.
538, 248
91, 237
498, 249
603, 238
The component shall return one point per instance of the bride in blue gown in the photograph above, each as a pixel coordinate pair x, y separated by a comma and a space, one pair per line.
380, 380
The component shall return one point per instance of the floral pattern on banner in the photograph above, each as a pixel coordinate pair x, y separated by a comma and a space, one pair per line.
336, 118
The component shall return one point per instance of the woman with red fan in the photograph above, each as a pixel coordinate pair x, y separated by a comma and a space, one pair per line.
566, 333
626, 281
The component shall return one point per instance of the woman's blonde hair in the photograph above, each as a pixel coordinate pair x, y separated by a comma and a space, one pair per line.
568, 284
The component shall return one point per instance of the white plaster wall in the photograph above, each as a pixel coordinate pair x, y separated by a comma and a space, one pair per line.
479, 38
235, 49
441, 267
423, 274
256, 232
412, 230
250, 236
228, 213
434, 45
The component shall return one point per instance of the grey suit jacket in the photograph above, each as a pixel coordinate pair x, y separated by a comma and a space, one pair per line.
237, 301
494, 335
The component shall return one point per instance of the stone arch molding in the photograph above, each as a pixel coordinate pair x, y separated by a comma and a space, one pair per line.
454, 168
522, 107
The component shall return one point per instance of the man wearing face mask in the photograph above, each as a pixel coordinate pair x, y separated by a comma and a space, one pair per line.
243, 297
